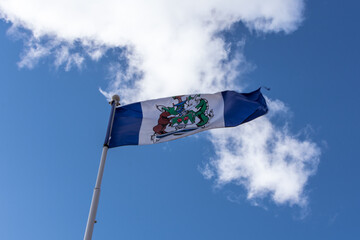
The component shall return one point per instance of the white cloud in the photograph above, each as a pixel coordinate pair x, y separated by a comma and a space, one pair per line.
171, 43
64, 53
33, 53
173, 47
265, 159
63, 56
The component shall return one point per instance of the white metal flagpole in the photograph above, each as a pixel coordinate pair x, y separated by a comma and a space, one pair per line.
96, 195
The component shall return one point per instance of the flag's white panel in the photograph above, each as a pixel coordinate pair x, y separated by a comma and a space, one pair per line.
171, 118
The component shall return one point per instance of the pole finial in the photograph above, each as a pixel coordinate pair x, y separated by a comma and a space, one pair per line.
116, 98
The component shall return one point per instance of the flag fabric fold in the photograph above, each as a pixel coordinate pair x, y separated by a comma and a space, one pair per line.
165, 119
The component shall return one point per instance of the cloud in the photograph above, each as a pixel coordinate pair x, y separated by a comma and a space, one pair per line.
166, 41
63, 53
175, 47
265, 159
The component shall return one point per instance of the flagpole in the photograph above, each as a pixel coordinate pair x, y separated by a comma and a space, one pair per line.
96, 195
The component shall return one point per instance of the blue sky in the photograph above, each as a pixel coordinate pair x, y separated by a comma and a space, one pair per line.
53, 122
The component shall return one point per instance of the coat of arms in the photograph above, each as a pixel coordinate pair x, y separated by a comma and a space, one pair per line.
184, 116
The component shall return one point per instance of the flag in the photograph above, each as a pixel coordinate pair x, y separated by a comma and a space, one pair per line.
165, 119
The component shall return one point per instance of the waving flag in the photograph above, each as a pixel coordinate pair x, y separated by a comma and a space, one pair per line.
165, 119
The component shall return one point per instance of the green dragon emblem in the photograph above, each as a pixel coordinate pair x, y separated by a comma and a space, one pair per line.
193, 111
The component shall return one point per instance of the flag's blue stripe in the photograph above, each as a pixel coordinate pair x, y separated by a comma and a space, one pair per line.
242, 107
126, 127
